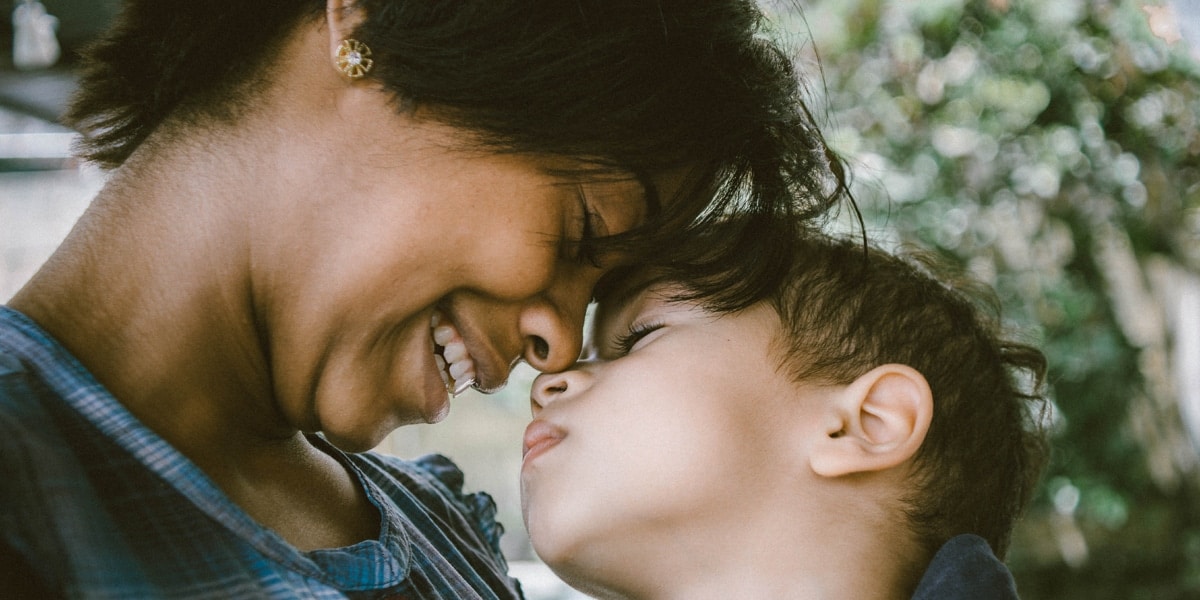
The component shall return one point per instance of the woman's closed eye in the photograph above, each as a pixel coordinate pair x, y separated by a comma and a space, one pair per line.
586, 249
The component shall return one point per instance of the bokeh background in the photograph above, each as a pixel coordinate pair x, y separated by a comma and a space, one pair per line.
1050, 147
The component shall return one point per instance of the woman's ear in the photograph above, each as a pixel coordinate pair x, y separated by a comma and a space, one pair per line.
875, 423
342, 17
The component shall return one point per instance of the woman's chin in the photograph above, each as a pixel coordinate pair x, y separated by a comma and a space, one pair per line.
360, 436
438, 413
353, 443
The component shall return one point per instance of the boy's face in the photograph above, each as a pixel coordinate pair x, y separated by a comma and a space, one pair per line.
681, 422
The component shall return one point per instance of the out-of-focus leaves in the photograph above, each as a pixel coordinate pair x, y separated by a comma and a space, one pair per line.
1016, 135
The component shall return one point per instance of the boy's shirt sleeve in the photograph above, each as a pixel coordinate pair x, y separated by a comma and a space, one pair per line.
966, 568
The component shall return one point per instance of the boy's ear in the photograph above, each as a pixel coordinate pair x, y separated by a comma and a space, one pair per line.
875, 423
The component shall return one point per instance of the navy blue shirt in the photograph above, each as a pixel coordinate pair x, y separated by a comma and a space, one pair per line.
965, 568
95, 505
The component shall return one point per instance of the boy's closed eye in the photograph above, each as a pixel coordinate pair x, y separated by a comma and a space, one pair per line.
628, 321
633, 336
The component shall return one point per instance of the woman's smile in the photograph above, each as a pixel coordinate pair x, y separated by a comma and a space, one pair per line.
450, 354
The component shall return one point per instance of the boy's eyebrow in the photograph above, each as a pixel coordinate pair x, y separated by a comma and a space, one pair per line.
612, 298
617, 297
618, 287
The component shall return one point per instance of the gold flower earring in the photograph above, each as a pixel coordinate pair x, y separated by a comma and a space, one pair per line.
353, 58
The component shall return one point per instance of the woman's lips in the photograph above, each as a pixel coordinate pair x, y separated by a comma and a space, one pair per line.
540, 437
454, 363
479, 368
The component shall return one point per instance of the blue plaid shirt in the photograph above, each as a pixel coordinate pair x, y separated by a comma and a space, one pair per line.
95, 505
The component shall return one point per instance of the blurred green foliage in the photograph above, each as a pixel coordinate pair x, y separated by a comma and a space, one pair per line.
1040, 143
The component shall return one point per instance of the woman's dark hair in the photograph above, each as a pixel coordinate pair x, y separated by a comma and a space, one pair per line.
632, 86
847, 308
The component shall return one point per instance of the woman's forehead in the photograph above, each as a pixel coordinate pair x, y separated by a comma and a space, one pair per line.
657, 189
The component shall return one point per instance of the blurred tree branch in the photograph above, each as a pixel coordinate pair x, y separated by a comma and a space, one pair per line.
1054, 149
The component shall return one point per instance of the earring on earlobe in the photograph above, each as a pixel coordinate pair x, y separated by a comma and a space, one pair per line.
353, 58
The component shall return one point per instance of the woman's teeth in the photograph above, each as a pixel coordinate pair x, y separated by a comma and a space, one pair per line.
450, 354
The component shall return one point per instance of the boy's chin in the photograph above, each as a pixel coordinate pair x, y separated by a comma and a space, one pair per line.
575, 561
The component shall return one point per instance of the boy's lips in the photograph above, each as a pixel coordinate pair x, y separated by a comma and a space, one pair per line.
540, 436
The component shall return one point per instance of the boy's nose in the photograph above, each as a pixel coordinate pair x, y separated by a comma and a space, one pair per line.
552, 387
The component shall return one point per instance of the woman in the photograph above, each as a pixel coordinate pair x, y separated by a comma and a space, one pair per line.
321, 221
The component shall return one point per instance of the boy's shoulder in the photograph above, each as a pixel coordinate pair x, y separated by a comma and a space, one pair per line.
965, 567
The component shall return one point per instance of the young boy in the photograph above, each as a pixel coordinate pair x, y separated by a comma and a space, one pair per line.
862, 431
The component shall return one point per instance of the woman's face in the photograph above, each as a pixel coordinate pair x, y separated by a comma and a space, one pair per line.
412, 263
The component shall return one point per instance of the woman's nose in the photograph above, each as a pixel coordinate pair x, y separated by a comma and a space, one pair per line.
552, 326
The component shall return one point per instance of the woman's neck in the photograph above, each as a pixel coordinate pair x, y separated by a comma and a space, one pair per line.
150, 291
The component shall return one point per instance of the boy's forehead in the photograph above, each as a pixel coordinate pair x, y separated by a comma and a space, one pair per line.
620, 304
619, 294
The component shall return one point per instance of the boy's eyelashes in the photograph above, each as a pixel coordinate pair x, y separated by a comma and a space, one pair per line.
625, 343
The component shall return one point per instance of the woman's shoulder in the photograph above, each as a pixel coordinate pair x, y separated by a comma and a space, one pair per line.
461, 528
